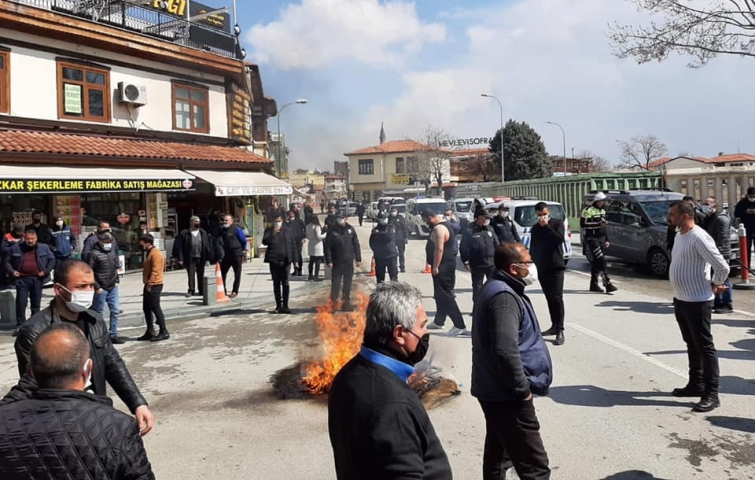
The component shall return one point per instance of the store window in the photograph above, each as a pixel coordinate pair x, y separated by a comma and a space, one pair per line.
191, 108
17, 209
83, 92
4, 82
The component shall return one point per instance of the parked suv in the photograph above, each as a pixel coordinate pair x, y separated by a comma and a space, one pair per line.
638, 225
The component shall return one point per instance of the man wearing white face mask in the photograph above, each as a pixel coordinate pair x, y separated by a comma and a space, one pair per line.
477, 250
504, 227
74, 293
104, 262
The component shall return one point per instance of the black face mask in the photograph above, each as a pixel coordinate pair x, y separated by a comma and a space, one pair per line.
419, 354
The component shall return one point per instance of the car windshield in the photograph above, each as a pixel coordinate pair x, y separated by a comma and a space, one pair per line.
463, 207
657, 212
437, 207
399, 208
526, 216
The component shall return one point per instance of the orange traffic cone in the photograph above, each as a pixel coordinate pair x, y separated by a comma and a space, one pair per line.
372, 269
220, 297
427, 268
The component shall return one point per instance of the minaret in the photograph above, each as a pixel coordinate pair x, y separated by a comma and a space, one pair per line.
382, 134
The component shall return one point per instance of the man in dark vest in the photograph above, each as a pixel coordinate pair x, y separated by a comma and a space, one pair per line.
281, 253
477, 249
193, 249
510, 363
440, 254
235, 250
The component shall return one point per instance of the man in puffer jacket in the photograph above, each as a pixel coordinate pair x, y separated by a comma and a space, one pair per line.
104, 262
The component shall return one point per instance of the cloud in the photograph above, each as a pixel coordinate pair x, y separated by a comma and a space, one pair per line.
319, 33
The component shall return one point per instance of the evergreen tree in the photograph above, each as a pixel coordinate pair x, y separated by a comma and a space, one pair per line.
524, 152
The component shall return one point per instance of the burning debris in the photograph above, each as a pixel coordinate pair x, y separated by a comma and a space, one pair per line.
340, 339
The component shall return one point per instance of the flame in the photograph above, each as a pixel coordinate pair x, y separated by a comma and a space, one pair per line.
341, 337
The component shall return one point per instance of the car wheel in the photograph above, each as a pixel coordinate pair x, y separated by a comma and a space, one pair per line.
588, 255
658, 261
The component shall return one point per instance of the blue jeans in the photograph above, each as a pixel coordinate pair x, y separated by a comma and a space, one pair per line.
726, 299
111, 297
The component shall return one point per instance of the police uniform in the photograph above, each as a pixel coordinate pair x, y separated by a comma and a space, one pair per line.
402, 234
383, 245
593, 223
478, 252
342, 250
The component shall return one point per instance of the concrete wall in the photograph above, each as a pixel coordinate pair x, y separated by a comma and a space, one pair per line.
726, 184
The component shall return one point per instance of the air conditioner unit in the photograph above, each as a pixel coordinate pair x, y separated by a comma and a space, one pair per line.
132, 94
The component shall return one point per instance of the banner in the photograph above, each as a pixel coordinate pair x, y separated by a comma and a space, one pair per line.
400, 179
22, 185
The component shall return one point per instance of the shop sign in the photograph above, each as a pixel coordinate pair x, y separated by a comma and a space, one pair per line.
400, 179
22, 185
251, 190
72, 95
240, 114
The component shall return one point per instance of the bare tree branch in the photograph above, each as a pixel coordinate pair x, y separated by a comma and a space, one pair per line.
433, 160
639, 151
599, 163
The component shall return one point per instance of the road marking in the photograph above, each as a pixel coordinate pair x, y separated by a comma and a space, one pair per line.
628, 349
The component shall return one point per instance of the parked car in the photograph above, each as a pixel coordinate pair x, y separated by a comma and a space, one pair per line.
414, 209
371, 211
522, 213
349, 209
638, 225
462, 208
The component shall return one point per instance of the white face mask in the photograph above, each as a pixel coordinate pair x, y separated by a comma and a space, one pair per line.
107, 246
278, 224
752, 199
341, 222
59, 223
393, 214
531, 277
80, 301
383, 221
706, 209
487, 222
503, 214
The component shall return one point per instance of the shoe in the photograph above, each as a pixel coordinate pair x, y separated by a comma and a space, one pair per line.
550, 331
148, 335
459, 332
709, 402
347, 308
610, 288
403, 269
116, 340
200, 294
284, 310
15, 332
688, 391
189, 294
560, 340
435, 326
311, 279
161, 336
233, 295
723, 310
276, 311
594, 287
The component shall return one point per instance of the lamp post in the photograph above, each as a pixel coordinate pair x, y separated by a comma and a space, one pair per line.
278, 158
500, 105
563, 133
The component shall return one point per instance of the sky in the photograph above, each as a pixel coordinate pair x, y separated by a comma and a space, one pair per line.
410, 65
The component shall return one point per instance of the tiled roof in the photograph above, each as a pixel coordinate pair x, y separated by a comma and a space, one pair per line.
733, 157
658, 162
31, 142
394, 146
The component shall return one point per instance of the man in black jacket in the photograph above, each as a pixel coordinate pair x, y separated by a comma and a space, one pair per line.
510, 363
235, 250
280, 254
330, 220
44, 234
504, 227
61, 431
383, 245
28, 264
194, 249
547, 250
379, 430
91, 240
745, 212
718, 225
104, 263
298, 232
477, 249
341, 251
74, 292
402, 237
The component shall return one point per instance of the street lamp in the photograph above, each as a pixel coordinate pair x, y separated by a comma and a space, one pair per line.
503, 170
563, 133
278, 158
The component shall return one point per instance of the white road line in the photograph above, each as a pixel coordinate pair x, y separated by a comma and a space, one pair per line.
628, 349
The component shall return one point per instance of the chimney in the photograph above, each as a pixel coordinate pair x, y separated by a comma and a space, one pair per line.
720, 153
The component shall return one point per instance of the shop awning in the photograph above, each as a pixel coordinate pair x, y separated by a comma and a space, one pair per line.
25, 179
243, 184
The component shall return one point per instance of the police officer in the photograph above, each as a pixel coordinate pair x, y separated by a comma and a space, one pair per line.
478, 249
504, 227
593, 223
330, 220
341, 251
402, 236
383, 245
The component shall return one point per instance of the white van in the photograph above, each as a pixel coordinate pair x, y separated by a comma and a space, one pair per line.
414, 209
522, 212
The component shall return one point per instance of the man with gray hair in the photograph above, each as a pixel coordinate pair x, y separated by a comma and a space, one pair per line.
378, 427
192, 250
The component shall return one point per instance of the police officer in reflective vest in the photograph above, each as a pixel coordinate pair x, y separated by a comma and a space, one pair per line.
593, 224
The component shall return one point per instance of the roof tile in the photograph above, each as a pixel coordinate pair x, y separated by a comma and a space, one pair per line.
394, 146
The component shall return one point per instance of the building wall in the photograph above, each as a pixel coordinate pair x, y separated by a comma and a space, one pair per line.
378, 174
682, 162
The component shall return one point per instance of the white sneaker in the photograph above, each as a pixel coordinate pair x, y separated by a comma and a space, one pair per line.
434, 326
459, 332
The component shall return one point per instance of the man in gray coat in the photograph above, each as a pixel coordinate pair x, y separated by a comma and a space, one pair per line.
718, 226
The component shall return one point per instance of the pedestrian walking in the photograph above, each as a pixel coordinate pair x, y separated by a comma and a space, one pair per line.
298, 232
152, 277
16, 235
92, 240
193, 250
402, 237
360, 213
593, 224
235, 249
104, 262
745, 212
694, 254
440, 255
29, 264
477, 250
384, 249
718, 226
315, 246
547, 250
74, 293
64, 241
342, 250
504, 227
281, 252
378, 427
44, 234
61, 431
510, 364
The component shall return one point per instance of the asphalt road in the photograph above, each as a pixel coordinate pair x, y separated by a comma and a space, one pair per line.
608, 416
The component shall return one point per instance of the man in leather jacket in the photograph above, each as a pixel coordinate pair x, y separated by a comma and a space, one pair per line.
74, 292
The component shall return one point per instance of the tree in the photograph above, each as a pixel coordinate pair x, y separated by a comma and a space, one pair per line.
433, 160
702, 32
481, 166
640, 151
599, 163
524, 152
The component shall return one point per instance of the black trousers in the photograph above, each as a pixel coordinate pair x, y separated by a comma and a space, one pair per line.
694, 322
299, 257
479, 276
361, 217
401, 244
195, 270
27, 288
552, 282
226, 264
513, 439
281, 286
383, 264
342, 274
151, 306
445, 300
597, 245
314, 266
